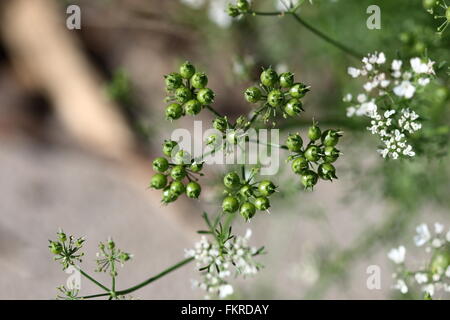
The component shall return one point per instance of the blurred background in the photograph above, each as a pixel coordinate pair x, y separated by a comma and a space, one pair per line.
81, 117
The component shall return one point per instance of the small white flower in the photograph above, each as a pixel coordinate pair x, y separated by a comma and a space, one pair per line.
225, 291
355, 73
361, 98
389, 113
396, 65
401, 285
421, 278
419, 67
436, 243
423, 81
381, 58
423, 235
351, 111
436, 277
397, 254
384, 84
405, 89
368, 86
348, 97
438, 227
429, 289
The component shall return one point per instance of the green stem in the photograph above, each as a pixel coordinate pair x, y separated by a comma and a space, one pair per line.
325, 37
154, 278
317, 32
95, 295
273, 13
93, 280
270, 144
113, 275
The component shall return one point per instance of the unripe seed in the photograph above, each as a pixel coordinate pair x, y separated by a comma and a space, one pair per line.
429, 4
331, 154
266, 188
187, 70
246, 191
312, 153
269, 78
294, 142
196, 166
168, 147
160, 164
243, 5
299, 165
314, 133
330, 138
205, 96
247, 210
309, 179
183, 94
220, 124
286, 79
192, 107
55, 247
178, 172
199, 80
232, 11
327, 171
173, 81
275, 98
252, 94
232, 180
230, 204
168, 196
158, 181
293, 107
298, 90
262, 203
193, 190
177, 187
174, 111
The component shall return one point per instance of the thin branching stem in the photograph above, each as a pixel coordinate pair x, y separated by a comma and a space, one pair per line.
312, 29
156, 277
93, 280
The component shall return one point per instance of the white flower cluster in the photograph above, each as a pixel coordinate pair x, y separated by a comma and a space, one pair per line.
392, 131
435, 275
217, 263
391, 87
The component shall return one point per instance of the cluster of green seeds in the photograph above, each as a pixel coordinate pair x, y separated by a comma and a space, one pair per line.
171, 175
277, 92
188, 92
320, 151
241, 7
245, 195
